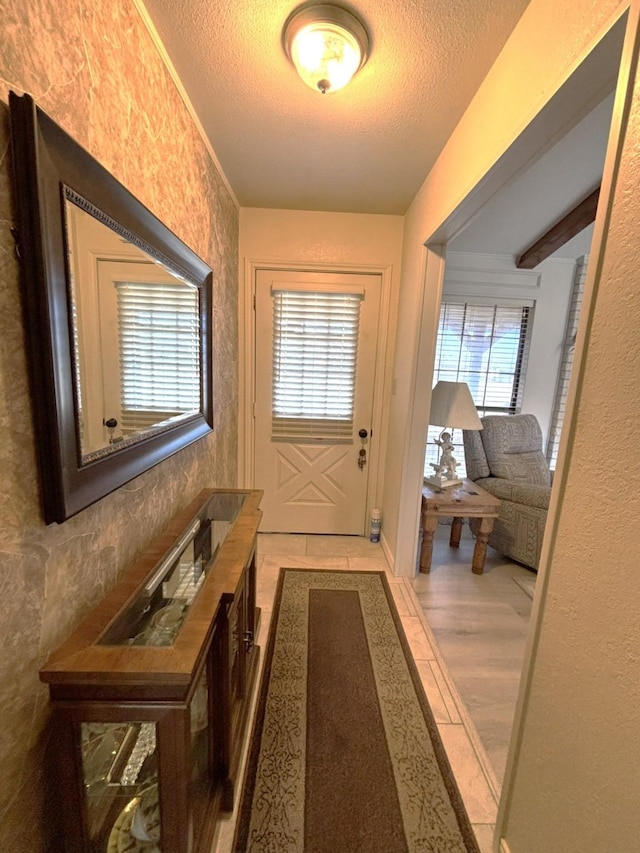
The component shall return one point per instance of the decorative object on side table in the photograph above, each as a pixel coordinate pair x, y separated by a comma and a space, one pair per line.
451, 406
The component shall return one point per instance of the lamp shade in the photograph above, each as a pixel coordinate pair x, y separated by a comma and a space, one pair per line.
453, 406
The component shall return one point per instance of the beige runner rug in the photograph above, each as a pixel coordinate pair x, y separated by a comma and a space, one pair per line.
345, 755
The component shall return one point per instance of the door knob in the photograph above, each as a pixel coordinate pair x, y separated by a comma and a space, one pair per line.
363, 433
111, 424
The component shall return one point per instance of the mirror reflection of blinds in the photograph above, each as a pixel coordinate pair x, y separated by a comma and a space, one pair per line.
315, 349
486, 346
159, 352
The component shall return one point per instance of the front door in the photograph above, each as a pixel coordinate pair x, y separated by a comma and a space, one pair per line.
316, 339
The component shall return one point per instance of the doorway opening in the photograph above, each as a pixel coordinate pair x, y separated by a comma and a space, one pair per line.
454, 264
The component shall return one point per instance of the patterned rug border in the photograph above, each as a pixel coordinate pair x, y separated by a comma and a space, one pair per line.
249, 780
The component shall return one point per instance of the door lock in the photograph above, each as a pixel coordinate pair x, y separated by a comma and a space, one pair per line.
362, 454
111, 424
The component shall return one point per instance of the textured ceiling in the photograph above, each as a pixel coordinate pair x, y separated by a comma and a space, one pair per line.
365, 149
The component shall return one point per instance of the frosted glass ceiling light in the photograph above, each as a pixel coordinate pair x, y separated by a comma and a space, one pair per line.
327, 44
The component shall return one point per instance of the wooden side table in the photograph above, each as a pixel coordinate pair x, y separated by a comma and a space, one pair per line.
466, 500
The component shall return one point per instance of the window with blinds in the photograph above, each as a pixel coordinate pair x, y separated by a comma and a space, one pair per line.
315, 350
564, 374
159, 352
486, 346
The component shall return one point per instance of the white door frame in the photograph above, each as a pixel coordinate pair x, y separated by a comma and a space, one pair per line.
246, 367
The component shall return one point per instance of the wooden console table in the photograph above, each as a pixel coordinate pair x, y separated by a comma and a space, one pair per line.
151, 693
466, 500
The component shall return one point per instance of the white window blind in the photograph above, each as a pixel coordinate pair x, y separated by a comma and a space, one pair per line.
486, 346
315, 350
564, 374
159, 352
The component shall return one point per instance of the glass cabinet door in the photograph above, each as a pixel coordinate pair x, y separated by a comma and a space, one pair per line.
120, 768
206, 741
156, 614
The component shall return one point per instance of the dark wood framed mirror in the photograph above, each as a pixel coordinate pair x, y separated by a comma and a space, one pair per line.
118, 321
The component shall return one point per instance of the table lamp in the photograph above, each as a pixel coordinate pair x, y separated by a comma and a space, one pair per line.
451, 407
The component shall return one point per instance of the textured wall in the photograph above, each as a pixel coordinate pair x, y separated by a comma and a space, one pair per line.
92, 66
576, 778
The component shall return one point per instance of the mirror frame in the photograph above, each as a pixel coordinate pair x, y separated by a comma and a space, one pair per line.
47, 163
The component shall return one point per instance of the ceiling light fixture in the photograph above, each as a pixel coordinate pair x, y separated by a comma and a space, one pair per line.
327, 44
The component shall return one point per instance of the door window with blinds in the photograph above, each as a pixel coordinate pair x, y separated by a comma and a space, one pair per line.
315, 350
159, 349
486, 346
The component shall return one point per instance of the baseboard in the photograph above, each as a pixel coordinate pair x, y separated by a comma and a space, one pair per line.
391, 560
387, 552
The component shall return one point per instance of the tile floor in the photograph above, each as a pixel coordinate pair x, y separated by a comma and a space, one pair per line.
464, 611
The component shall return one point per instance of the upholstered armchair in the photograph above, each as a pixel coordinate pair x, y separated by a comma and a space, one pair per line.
506, 459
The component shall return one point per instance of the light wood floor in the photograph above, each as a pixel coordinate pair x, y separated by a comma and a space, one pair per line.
480, 623
467, 635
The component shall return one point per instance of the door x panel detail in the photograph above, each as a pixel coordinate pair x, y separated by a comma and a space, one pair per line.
304, 480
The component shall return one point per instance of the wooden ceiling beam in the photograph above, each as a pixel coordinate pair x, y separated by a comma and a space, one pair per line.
573, 223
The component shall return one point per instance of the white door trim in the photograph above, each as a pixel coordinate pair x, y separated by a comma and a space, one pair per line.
409, 508
246, 367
